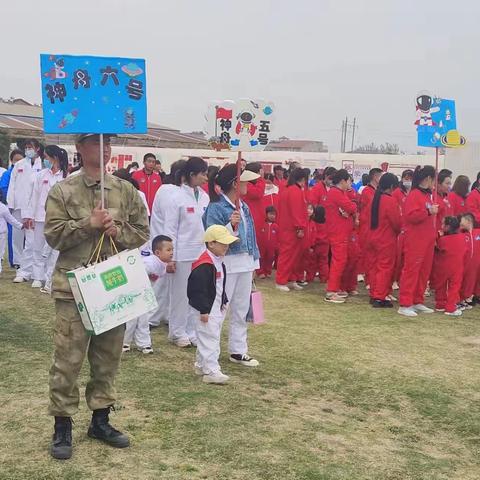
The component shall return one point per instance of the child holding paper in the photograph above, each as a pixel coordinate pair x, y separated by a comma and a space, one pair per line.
156, 265
208, 302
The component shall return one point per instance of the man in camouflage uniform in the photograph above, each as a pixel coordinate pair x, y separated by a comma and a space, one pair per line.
73, 225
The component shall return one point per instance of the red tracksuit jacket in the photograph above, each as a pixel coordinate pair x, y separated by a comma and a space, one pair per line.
292, 210
417, 219
339, 228
318, 194
149, 184
254, 199
458, 203
281, 184
366, 198
445, 209
389, 224
473, 204
268, 237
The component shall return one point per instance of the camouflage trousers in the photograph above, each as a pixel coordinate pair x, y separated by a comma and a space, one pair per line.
72, 343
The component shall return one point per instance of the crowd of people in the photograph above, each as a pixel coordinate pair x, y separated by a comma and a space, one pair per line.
205, 233
385, 231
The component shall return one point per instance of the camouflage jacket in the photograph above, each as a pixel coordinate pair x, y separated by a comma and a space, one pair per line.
67, 223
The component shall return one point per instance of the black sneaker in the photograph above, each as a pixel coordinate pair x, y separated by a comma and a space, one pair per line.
382, 304
244, 360
61, 446
101, 429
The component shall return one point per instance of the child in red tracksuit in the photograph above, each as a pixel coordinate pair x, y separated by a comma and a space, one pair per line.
339, 214
470, 291
449, 263
349, 280
267, 239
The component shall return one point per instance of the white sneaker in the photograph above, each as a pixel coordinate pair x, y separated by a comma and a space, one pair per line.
19, 279
422, 308
395, 286
217, 378
37, 284
146, 350
407, 312
391, 298
46, 290
441, 310
244, 360
456, 313
126, 348
182, 343
296, 286
342, 294
334, 298
282, 288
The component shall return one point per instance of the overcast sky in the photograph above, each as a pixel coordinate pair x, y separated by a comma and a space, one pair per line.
318, 60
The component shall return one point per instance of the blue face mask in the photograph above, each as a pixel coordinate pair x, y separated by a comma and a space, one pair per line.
47, 163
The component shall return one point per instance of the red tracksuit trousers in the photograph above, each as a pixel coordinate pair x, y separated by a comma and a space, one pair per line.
447, 289
317, 261
289, 257
267, 257
382, 269
416, 270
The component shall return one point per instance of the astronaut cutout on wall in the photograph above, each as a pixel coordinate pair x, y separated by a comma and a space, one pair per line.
424, 110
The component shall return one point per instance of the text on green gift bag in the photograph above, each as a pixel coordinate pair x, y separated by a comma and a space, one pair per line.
113, 278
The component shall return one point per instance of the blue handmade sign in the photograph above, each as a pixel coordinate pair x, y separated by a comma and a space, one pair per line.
437, 122
83, 94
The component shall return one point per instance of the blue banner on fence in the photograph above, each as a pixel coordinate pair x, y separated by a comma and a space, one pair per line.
83, 94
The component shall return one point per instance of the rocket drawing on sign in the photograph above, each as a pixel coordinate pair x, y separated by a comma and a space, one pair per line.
424, 110
68, 119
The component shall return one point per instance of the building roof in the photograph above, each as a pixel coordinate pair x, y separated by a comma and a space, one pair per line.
25, 120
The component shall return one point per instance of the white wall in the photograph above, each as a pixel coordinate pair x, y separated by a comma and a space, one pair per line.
464, 160
312, 160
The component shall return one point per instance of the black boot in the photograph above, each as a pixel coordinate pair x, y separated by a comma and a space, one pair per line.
61, 447
101, 429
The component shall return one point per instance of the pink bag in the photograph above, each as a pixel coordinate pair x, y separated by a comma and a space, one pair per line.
255, 313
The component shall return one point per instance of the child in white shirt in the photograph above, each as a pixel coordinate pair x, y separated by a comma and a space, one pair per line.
6, 217
157, 265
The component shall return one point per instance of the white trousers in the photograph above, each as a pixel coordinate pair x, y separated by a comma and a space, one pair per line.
3, 244
18, 239
138, 330
162, 288
39, 242
50, 257
181, 321
238, 289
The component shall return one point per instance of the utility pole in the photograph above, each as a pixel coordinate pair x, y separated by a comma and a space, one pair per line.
341, 137
353, 132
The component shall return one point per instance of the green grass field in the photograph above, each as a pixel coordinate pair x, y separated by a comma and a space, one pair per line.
343, 392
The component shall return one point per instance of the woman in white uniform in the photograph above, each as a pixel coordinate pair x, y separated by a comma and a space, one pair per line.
183, 224
163, 201
44, 257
